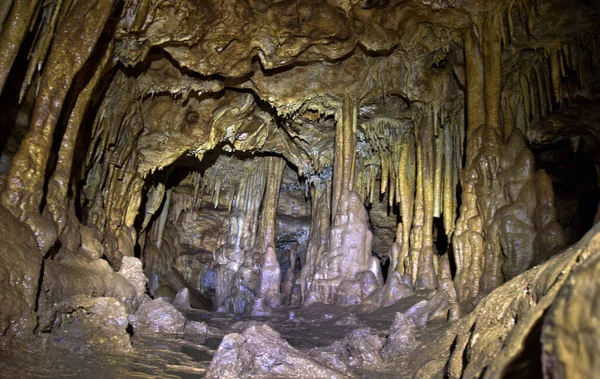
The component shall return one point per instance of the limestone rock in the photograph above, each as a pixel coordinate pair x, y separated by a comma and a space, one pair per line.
259, 352
132, 269
78, 276
349, 255
360, 350
571, 331
92, 325
158, 316
422, 311
182, 299
20, 265
401, 338
390, 293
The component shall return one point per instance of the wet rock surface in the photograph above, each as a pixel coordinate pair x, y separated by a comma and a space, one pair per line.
260, 352
91, 325
20, 266
158, 316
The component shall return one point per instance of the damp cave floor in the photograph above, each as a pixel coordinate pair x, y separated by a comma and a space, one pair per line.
164, 356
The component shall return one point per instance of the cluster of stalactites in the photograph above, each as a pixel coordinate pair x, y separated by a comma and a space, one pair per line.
389, 167
113, 186
545, 84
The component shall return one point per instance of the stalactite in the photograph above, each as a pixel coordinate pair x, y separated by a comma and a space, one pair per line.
393, 189
338, 165
438, 177
13, 32
372, 186
83, 24
45, 34
384, 173
556, 74
425, 276
540, 91
58, 184
162, 219
349, 143
416, 233
4, 10
526, 100
449, 206
492, 73
546, 70
154, 200
475, 90
407, 170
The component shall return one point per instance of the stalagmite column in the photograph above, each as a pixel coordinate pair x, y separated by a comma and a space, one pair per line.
266, 230
58, 185
416, 233
13, 32
270, 278
73, 43
345, 153
406, 171
425, 276
475, 90
318, 239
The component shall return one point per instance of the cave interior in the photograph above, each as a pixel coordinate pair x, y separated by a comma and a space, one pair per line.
300, 188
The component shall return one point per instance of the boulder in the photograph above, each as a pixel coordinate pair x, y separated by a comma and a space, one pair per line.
133, 270
260, 352
97, 325
158, 316
401, 338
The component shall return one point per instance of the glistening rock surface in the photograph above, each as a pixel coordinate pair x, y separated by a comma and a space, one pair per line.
322, 165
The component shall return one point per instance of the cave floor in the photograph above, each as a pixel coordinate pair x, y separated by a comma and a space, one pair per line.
164, 356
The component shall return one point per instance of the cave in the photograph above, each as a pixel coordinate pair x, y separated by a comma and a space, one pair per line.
300, 188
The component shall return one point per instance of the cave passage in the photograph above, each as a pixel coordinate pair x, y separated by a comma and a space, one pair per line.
303, 189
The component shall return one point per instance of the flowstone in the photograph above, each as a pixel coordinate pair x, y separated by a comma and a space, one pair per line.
338, 275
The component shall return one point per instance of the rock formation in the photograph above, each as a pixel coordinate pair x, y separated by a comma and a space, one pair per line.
415, 177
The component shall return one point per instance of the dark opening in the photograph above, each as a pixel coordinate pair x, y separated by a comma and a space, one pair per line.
570, 165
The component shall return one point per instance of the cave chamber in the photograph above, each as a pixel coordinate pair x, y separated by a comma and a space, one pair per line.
314, 188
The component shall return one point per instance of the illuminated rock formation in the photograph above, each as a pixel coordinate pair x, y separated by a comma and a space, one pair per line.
412, 169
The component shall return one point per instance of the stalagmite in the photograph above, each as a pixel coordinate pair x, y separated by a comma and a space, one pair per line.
318, 239
270, 281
